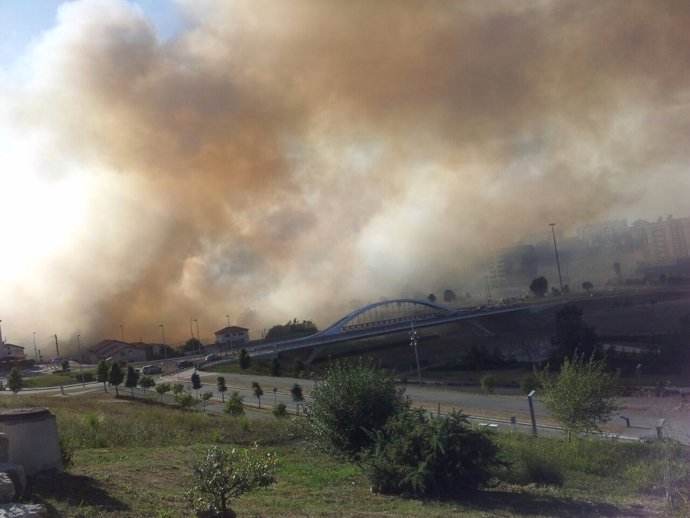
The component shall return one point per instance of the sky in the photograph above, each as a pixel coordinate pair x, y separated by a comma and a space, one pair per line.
169, 160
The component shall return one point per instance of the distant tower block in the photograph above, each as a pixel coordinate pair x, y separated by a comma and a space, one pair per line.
33, 439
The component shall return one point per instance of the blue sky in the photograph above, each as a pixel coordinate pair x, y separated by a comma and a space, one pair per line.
22, 21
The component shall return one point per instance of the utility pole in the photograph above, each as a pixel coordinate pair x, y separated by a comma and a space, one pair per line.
558, 264
413, 342
57, 349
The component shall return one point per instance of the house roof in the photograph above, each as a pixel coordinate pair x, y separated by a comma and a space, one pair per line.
109, 347
12, 345
230, 329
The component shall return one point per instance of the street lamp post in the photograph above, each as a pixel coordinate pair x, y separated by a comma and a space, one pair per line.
81, 363
122, 331
165, 347
35, 350
228, 317
413, 343
558, 264
198, 336
531, 412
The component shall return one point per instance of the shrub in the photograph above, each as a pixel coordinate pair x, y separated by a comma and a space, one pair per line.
350, 402
430, 456
280, 410
233, 405
528, 384
177, 388
184, 399
488, 383
223, 476
539, 470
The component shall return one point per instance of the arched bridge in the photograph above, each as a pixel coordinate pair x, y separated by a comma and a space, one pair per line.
388, 312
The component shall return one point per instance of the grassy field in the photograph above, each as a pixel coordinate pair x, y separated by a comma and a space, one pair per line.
133, 459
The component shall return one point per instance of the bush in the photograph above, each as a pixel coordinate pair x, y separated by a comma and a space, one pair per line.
488, 383
185, 399
223, 476
539, 470
234, 405
280, 410
430, 456
350, 402
528, 384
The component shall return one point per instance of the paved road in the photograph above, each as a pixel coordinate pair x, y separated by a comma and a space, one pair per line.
643, 413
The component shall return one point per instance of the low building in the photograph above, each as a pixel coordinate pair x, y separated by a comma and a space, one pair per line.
11, 352
121, 351
232, 336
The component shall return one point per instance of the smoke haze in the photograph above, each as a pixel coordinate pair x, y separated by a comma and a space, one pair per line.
280, 159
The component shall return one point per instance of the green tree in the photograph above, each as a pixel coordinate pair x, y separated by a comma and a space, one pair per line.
258, 391
280, 410
196, 382
293, 328
539, 286
192, 345
146, 382
205, 396
15, 382
162, 388
184, 399
581, 395
431, 297
587, 286
116, 376
244, 359
352, 401
222, 388
177, 388
102, 373
430, 456
276, 366
449, 296
132, 379
297, 396
223, 476
234, 405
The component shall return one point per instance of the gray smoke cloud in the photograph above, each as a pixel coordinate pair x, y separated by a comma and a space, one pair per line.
278, 159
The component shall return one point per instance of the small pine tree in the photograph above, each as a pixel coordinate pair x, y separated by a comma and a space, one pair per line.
146, 382
258, 391
162, 388
132, 379
244, 359
222, 388
102, 374
297, 396
233, 405
116, 376
205, 396
196, 382
276, 367
280, 410
15, 382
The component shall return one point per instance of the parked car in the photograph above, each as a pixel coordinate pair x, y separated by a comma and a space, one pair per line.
151, 369
212, 357
182, 364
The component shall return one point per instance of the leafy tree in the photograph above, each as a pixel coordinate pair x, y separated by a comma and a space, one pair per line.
146, 382
15, 382
177, 388
572, 332
581, 395
222, 388
192, 345
280, 410
234, 405
184, 399
587, 286
539, 286
297, 396
65, 365
276, 366
430, 456
294, 328
449, 296
205, 396
258, 391
162, 388
223, 476
116, 376
352, 401
244, 359
488, 383
431, 297
102, 373
132, 379
196, 382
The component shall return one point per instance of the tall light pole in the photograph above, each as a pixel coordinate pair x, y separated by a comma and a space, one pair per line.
228, 317
413, 343
122, 331
165, 347
198, 336
558, 264
81, 363
35, 350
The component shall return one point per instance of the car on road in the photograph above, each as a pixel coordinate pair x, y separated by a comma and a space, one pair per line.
182, 364
151, 369
212, 357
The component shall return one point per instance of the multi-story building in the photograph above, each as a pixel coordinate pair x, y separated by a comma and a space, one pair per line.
232, 336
